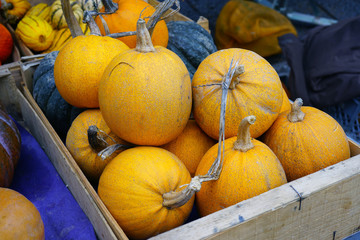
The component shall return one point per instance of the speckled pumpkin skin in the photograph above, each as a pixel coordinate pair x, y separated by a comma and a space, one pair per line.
307, 146
259, 93
132, 186
243, 176
145, 98
285, 105
78, 144
79, 66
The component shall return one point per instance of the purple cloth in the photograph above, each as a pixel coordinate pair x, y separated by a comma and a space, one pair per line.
37, 179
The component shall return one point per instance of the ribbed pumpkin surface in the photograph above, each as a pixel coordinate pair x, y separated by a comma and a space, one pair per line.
35, 32
132, 186
307, 146
258, 92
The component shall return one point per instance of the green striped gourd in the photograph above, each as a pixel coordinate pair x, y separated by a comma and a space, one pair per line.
41, 10
91, 5
57, 18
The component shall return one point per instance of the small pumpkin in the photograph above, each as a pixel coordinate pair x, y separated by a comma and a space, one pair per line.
10, 147
124, 18
306, 139
57, 18
132, 186
191, 42
59, 113
152, 101
20, 219
41, 10
87, 136
15, 10
35, 32
81, 62
6, 43
255, 89
249, 168
190, 146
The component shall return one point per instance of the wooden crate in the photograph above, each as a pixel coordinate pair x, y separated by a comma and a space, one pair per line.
323, 205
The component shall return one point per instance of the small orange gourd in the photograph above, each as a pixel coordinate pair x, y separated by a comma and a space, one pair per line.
191, 145
132, 186
125, 17
19, 218
87, 136
306, 139
249, 169
254, 90
81, 62
145, 93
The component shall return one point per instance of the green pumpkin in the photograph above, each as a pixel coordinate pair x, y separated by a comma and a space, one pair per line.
191, 42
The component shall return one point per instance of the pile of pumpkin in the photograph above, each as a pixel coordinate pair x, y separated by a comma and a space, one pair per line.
135, 138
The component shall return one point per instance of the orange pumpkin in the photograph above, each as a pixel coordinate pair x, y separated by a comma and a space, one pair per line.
306, 139
80, 64
132, 187
87, 136
19, 218
6, 43
145, 93
249, 169
254, 90
124, 20
190, 146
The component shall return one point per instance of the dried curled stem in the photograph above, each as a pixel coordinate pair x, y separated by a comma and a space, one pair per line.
243, 142
177, 199
296, 115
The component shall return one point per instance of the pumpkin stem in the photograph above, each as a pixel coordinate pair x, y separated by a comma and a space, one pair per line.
174, 199
296, 115
98, 143
236, 79
110, 6
88, 18
70, 18
243, 142
143, 39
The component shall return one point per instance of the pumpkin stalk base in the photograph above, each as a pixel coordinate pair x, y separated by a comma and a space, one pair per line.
243, 142
177, 199
296, 115
143, 39
236, 79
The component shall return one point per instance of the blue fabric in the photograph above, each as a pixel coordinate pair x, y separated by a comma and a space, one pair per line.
37, 179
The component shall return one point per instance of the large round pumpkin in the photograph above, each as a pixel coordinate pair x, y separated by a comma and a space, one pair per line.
10, 147
306, 139
254, 90
249, 168
190, 146
79, 66
145, 93
19, 218
124, 20
132, 187
87, 136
